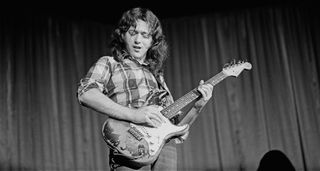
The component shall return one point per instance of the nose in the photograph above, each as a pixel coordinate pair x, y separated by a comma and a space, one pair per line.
137, 39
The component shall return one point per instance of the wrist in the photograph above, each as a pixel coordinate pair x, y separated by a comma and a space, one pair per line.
129, 114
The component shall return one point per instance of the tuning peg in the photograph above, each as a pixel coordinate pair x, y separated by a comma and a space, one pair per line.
226, 65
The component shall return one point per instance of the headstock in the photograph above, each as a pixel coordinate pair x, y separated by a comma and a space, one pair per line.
235, 68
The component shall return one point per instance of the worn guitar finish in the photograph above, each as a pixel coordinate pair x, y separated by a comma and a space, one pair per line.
140, 145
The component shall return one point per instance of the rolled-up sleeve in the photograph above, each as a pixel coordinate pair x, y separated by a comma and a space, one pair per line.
97, 77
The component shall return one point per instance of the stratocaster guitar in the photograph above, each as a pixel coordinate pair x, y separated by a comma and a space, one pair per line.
140, 145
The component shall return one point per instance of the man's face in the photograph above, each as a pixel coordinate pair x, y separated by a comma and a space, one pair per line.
138, 40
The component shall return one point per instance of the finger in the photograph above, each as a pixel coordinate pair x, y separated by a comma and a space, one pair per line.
210, 86
207, 86
158, 116
207, 93
159, 108
202, 92
152, 123
156, 107
163, 119
208, 90
201, 82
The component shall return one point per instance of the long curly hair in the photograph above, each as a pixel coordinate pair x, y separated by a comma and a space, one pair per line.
157, 53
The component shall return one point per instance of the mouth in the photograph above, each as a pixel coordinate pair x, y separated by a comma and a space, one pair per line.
136, 48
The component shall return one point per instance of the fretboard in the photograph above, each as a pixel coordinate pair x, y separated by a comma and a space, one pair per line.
173, 109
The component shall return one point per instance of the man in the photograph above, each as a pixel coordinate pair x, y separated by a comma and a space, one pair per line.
119, 85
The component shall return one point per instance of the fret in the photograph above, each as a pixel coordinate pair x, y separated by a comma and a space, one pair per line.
216, 79
172, 109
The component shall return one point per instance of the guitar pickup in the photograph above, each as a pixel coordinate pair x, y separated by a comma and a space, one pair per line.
135, 133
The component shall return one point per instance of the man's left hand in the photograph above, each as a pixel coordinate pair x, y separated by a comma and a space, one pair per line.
206, 92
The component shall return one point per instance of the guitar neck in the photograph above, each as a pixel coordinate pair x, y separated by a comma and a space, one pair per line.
173, 109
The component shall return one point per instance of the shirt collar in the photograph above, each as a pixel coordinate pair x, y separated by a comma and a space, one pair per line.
126, 55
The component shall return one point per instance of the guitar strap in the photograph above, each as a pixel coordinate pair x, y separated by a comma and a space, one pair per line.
161, 82
163, 86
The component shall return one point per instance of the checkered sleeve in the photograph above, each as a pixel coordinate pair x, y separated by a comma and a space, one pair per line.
97, 76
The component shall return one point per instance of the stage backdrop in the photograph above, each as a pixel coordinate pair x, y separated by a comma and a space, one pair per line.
275, 105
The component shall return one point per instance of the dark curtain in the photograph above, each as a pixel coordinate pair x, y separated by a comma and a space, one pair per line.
275, 105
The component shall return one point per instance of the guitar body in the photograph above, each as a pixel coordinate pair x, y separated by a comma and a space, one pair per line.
139, 145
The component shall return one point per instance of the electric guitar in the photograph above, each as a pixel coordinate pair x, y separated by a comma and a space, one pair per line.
138, 145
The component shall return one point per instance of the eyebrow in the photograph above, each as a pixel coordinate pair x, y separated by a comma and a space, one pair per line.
138, 31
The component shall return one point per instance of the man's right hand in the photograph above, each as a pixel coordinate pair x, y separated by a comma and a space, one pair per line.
149, 115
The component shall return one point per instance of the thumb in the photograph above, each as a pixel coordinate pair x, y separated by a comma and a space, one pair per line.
201, 82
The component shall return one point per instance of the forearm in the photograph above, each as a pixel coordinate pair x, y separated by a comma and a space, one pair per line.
94, 99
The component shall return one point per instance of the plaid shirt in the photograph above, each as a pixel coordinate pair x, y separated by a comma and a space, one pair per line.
128, 83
